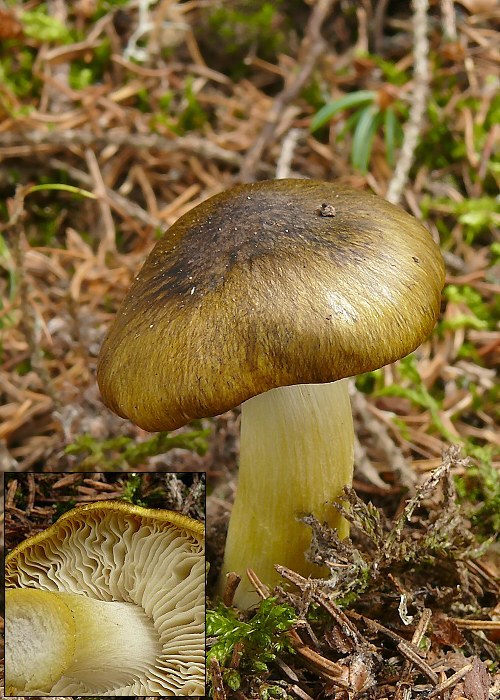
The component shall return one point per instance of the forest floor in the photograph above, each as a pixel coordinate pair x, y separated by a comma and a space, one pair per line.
116, 118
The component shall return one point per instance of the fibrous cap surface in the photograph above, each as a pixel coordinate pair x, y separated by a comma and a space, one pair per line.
272, 284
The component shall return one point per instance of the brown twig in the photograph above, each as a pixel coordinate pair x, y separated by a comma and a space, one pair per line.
108, 240
80, 137
10, 495
122, 205
260, 587
486, 625
30, 321
325, 667
418, 104
414, 658
31, 493
395, 457
450, 682
378, 25
217, 682
378, 627
349, 631
449, 19
284, 165
231, 584
300, 692
312, 46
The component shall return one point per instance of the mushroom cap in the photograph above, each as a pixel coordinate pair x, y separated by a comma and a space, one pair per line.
114, 551
271, 284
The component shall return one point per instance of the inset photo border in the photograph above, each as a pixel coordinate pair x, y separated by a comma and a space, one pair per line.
105, 584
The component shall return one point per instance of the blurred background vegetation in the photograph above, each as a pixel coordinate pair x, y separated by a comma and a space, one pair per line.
117, 117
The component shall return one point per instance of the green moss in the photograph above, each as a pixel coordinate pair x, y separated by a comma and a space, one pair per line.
39, 25
370, 381
483, 314
257, 640
229, 32
192, 116
180, 112
243, 25
391, 71
479, 217
9, 292
443, 144
63, 507
102, 7
313, 94
479, 491
16, 75
85, 73
123, 451
22, 368
132, 489
165, 101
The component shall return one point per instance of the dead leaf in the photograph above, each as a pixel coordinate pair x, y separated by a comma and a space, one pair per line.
477, 681
445, 631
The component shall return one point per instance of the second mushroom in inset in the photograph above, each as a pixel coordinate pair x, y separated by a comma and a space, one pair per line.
108, 601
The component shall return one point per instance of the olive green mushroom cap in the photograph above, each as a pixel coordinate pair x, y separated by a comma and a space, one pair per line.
271, 284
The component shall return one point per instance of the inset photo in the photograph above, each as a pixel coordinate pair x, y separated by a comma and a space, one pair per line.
105, 584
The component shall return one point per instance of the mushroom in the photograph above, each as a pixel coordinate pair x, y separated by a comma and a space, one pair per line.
107, 601
269, 295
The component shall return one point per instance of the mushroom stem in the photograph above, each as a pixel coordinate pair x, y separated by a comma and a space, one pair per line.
56, 640
296, 456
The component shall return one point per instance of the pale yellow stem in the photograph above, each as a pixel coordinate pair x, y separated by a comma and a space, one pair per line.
296, 457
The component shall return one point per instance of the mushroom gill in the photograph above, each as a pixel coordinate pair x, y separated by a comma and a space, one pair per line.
131, 582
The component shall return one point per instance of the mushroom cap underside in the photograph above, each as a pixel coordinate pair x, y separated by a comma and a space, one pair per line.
271, 284
153, 559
